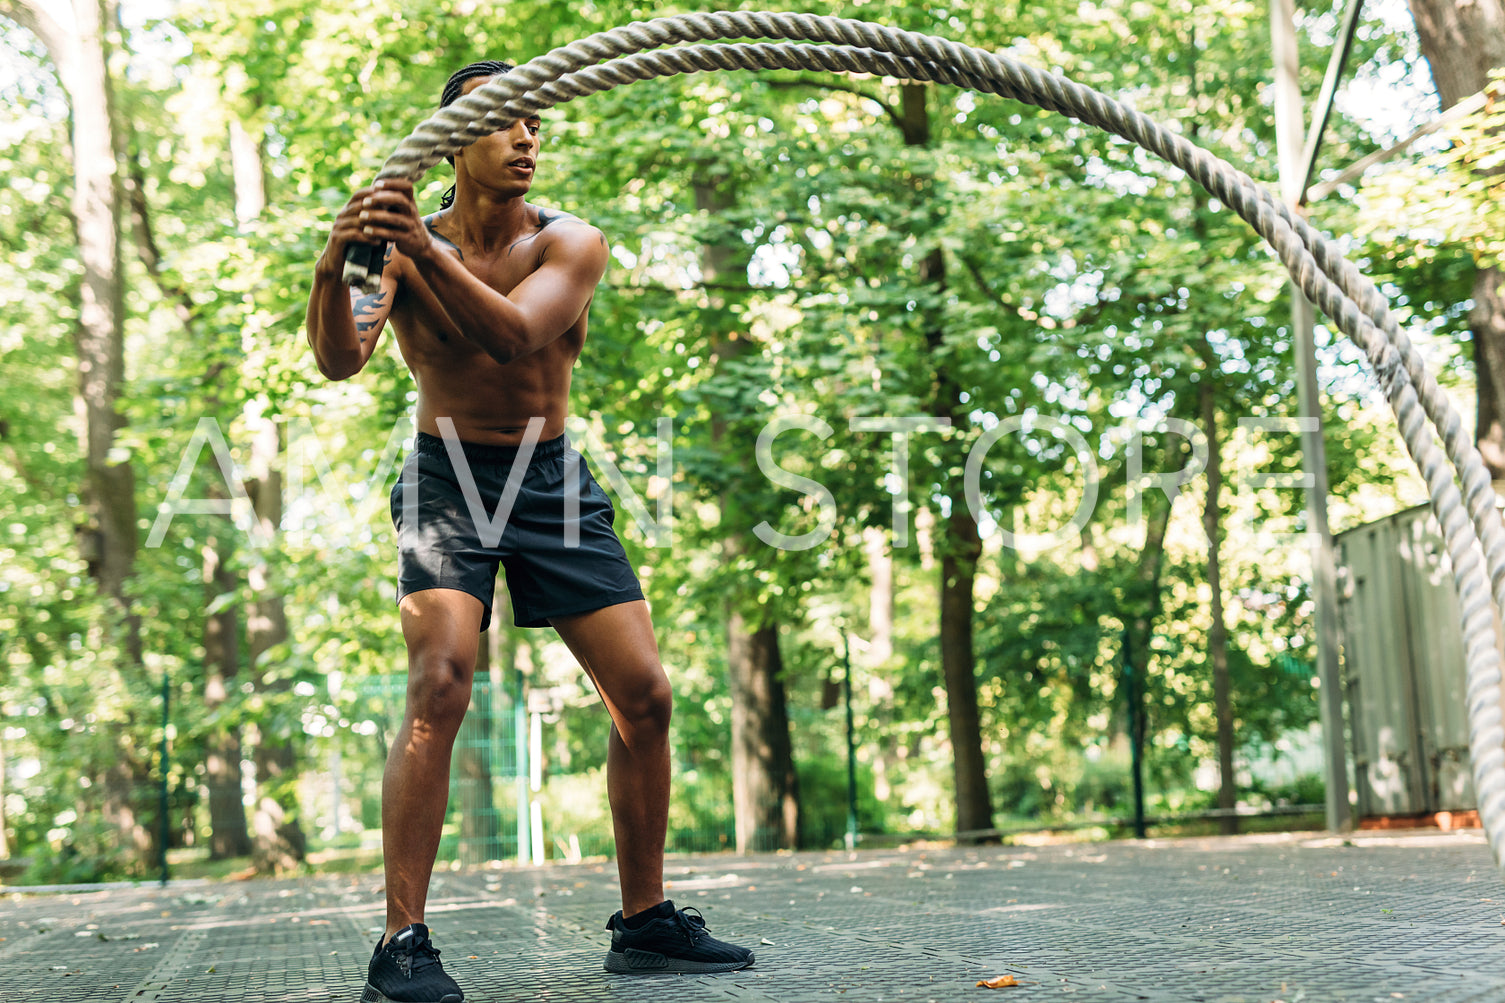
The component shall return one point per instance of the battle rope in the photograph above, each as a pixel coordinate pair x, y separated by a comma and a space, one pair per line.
1328, 279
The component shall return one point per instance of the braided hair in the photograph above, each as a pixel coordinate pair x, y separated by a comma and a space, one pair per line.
452, 89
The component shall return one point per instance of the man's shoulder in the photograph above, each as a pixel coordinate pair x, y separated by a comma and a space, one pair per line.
559, 223
570, 234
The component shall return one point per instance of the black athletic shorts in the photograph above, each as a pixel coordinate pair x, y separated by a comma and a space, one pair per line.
557, 545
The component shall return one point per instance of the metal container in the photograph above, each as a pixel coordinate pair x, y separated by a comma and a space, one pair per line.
1403, 668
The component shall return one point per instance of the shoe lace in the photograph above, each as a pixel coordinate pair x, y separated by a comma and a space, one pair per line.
422, 954
426, 955
693, 927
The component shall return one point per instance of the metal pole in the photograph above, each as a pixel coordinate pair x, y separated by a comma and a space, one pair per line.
336, 765
1290, 146
535, 782
163, 825
846, 685
1324, 110
520, 751
1136, 737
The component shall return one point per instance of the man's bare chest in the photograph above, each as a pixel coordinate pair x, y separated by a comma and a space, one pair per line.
502, 268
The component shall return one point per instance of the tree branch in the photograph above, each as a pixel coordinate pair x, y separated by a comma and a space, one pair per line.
735, 287
832, 85
1085, 318
31, 16
975, 271
146, 243
17, 462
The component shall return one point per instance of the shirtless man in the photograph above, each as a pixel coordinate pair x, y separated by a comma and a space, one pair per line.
488, 299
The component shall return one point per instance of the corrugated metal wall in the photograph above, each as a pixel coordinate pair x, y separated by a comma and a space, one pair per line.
1403, 668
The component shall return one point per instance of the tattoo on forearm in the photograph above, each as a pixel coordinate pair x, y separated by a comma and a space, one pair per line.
365, 308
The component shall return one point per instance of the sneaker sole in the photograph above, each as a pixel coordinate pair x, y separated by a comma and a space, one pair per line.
646, 963
375, 995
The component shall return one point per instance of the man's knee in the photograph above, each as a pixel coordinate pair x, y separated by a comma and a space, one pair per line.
438, 690
649, 707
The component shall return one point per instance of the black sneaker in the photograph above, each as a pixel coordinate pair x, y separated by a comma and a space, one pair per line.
406, 969
674, 943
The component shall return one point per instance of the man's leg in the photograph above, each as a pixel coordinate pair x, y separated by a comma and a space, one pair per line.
442, 631
617, 649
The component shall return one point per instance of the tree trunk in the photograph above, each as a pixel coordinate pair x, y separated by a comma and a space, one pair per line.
1463, 40
960, 549
111, 500
1217, 635
765, 789
248, 170
107, 527
229, 836
108, 534
1143, 606
974, 808
278, 841
4, 838
1486, 322
1212, 516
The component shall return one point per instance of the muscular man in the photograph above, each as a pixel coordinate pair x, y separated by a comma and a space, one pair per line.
488, 299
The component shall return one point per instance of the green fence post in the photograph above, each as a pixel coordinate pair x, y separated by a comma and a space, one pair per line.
846, 685
1136, 736
163, 808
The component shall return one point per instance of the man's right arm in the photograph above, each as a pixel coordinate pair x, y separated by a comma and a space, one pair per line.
343, 323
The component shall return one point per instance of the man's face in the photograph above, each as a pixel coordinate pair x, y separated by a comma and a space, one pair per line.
505, 160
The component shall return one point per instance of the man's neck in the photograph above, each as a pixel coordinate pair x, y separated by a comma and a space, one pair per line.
487, 224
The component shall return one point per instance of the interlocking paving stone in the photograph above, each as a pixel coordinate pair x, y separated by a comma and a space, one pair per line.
1236, 920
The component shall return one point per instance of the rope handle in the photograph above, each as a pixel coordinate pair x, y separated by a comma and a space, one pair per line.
363, 266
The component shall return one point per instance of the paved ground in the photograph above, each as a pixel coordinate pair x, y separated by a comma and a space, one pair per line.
1253, 920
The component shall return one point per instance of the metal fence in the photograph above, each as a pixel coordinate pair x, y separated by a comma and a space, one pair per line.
504, 802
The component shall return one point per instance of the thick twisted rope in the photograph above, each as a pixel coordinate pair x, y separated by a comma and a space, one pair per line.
1333, 283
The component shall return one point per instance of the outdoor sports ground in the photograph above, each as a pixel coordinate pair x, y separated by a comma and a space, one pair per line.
1292, 917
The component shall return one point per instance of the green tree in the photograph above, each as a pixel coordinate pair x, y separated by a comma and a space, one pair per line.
1463, 41
108, 536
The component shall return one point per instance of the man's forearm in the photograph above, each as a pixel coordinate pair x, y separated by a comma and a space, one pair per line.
331, 327
482, 315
